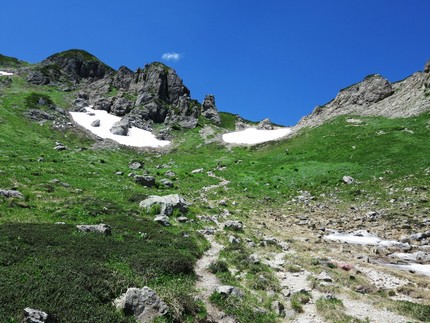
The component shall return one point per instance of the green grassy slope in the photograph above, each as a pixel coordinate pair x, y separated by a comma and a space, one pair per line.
46, 265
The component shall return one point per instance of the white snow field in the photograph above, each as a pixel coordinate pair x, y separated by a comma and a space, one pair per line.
136, 137
252, 136
362, 237
2, 73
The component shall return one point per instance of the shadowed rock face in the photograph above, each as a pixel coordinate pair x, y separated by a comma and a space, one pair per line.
78, 65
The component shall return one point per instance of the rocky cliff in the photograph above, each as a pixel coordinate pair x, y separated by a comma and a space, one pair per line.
153, 94
376, 96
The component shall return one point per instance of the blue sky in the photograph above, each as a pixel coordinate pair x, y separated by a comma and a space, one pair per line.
272, 58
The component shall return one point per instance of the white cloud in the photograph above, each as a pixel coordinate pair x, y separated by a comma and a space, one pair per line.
174, 57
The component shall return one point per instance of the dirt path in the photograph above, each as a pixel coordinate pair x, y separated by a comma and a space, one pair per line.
206, 281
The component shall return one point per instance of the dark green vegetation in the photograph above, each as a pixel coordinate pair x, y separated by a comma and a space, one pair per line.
76, 276
78, 54
7, 61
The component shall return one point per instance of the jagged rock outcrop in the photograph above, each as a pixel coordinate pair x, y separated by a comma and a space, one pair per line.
376, 96
153, 94
265, 124
209, 109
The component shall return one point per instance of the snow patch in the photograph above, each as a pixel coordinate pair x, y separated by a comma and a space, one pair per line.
2, 73
416, 268
362, 237
252, 136
136, 137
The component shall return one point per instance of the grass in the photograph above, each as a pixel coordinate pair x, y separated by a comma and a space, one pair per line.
299, 299
243, 309
333, 311
74, 276
97, 269
419, 312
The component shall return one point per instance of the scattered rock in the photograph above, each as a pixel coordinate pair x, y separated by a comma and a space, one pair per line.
119, 173
95, 123
162, 219
11, 194
167, 183
226, 291
59, 146
170, 174
234, 225
324, 276
196, 171
182, 219
147, 181
97, 228
35, 316
167, 203
135, 165
278, 308
233, 239
207, 231
144, 304
348, 180
254, 259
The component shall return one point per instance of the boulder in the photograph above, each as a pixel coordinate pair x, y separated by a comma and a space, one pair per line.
167, 204
254, 259
162, 219
11, 194
348, 180
209, 109
120, 128
227, 290
135, 165
144, 304
167, 183
278, 308
324, 276
147, 181
35, 316
97, 228
234, 225
95, 123
169, 173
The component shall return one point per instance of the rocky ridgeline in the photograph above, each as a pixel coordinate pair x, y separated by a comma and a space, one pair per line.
153, 94
376, 96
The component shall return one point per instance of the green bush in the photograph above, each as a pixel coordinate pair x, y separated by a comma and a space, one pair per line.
37, 100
